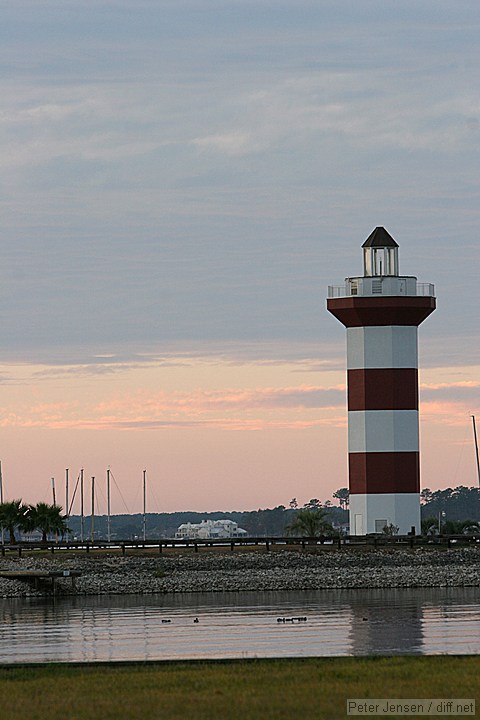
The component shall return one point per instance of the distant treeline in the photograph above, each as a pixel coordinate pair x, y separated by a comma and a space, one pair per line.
258, 523
459, 504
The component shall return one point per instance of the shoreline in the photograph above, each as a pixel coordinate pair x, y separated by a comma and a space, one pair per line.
251, 571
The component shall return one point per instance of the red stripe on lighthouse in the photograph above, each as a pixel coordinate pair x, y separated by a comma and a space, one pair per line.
383, 389
378, 472
381, 311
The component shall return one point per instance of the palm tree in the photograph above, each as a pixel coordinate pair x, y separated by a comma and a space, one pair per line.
13, 515
309, 523
48, 519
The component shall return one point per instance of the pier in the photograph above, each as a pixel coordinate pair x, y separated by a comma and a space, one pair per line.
41, 580
315, 544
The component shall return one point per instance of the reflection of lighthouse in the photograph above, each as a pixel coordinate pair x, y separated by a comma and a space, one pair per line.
387, 621
381, 312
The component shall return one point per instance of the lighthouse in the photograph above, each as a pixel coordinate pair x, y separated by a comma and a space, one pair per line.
382, 311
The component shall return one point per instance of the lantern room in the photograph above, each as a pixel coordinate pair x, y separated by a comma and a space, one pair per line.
380, 254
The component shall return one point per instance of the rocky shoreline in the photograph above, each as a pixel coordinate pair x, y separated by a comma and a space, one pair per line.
243, 571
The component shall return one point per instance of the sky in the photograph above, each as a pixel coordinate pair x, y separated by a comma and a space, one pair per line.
180, 182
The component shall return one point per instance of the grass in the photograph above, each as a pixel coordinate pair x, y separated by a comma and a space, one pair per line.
314, 688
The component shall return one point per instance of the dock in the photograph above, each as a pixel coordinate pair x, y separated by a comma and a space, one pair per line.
41, 580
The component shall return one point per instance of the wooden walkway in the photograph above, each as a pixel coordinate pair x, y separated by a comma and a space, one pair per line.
316, 544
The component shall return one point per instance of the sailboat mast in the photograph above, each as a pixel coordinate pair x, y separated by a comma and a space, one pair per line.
66, 491
1, 500
82, 521
93, 508
476, 447
66, 497
108, 504
144, 504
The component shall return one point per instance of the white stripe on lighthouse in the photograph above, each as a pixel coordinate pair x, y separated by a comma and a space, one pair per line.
369, 513
382, 347
383, 431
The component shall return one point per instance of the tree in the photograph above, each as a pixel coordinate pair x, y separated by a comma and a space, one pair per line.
343, 497
13, 515
313, 504
430, 526
426, 496
293, 504
48, 519
390, 529
470, 527
459, 503
461, 527
309, 523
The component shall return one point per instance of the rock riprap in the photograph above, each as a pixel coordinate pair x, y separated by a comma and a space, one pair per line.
230, 572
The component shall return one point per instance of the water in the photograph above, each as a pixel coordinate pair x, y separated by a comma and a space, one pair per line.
241, 625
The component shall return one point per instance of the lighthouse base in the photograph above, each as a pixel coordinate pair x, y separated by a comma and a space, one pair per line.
371, 513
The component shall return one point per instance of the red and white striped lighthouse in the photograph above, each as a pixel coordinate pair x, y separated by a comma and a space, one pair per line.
382, 311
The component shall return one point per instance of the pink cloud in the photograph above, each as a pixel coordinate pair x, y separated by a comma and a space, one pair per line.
445, 413
469, 384
292, 407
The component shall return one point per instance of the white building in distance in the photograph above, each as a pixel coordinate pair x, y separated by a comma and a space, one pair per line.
210, 529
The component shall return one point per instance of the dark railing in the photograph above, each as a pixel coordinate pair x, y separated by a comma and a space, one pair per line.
323, 542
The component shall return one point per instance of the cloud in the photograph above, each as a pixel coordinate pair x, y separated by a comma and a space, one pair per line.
195, 172
459, 386
359, 107
456, 398
449, 403
227, 408
93, 369
236, 143
47, 362
220, 423
204, 401
445, 413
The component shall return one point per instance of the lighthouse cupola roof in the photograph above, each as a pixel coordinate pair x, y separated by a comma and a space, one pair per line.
380, 238
380, 254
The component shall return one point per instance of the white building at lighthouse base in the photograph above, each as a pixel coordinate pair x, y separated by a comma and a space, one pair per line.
372, 512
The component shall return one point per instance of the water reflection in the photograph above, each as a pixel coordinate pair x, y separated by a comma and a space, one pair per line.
453, 623
360, 622
386, 622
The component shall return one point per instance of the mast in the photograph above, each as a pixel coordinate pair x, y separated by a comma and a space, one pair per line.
108, 504
1, 500
93, 509
66, 491
476, 447
53, 491
144, 504
82, 521
66, 496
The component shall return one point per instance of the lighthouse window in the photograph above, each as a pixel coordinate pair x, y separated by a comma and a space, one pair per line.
378, 255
